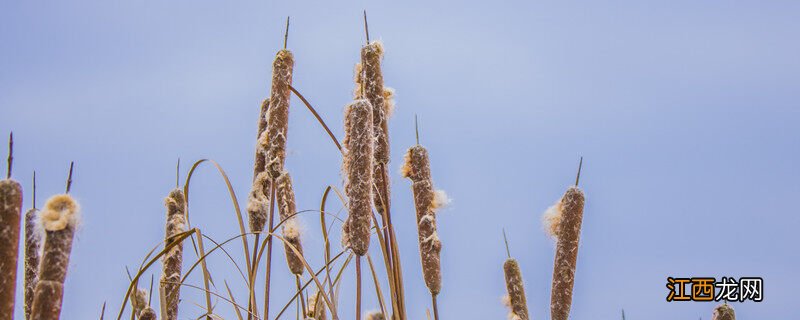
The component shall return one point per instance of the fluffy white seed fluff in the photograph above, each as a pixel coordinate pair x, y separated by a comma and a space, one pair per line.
552, 219
59, 212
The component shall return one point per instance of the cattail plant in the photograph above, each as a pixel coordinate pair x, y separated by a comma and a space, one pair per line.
291, 229
515, 300
273, 141
357, 166
723, 312
417, 168
10, 207
32, 244
564, 220
59, 218
173, 259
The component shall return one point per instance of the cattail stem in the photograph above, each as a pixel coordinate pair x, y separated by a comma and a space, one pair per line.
435, 307
10, 208
270, 238
301, 297
59, 219
173, 259
358, 287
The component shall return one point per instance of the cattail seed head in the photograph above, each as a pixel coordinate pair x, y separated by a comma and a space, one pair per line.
723, 312
173, 259
258, 202
139, 300
552, 219
375, 315
417, 168
10, 210
278, 113
147, 314
369, 80
516, 290
59, 218
291, 230
33, 240
358, 170
568, 236
316, 307
416, 164
260, 163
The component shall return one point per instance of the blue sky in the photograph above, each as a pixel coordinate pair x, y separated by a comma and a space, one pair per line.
685, 112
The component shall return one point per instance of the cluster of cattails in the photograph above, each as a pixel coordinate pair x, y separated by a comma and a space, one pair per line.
417, 168
48, 245
173, 258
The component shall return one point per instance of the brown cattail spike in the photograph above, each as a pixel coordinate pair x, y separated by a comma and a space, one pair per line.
417, 168
723, 312
258, 203
59, 218
173, 259
357, 167
32, 258
291, 230
274, 142
147, 314
10, 209
372, 88
260, 162
568, 236
516, 290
